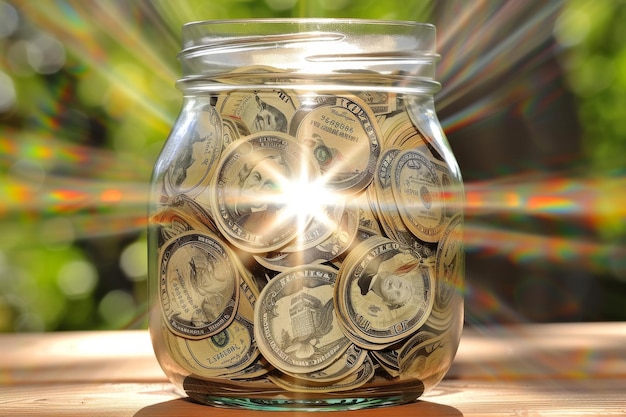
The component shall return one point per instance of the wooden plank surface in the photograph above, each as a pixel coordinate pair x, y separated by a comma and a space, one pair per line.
531, 370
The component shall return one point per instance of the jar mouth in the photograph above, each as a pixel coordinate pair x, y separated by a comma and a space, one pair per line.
294, 49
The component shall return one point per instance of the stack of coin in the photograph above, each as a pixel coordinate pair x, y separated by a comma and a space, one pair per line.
307, 240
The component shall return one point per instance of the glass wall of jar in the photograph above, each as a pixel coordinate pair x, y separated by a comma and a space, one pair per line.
305, 221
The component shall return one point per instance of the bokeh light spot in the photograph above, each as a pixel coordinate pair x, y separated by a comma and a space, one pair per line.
77, 279
46, 54
571, 27
134, 262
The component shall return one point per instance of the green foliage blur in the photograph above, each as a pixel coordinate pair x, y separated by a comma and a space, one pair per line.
87, 98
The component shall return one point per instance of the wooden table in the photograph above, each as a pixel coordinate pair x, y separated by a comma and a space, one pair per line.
525, 370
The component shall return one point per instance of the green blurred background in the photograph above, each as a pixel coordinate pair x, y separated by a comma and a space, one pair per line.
533, 102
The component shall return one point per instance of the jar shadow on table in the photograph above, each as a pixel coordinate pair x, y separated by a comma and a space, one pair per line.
188, 407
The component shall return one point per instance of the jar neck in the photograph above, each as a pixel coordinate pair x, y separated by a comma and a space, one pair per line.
309, 53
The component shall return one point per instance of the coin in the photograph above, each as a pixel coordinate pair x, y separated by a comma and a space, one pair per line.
199, 285
228, 352
357, 378
346, 364
449, 264
252, 193
337, 243
427, 361
419, 195
295, 324
258, 111
196, 154
383, 292
342, 135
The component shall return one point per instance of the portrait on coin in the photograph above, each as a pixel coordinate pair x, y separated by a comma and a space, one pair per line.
392, 283
267, 117
257, 205
206, 285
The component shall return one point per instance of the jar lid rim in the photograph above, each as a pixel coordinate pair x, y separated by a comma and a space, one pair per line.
311, 20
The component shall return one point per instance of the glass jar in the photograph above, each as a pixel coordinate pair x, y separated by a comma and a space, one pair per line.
305, 225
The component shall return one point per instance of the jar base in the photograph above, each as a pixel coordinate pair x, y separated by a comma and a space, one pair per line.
368, 396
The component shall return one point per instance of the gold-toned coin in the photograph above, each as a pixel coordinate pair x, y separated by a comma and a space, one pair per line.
419, 111
254, 192
419, 196
383, 291
295, 324
368, 209
199, 285
196, 153
388, 359
258, 111
342, 135
385, 204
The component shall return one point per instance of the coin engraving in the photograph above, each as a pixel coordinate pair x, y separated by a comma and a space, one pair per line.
258, 111
197, 156
296, 324
343, 137
199, 285
419, 195
250, 192
384, 293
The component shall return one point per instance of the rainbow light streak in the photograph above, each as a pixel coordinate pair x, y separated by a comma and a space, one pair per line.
486, 39
58, 156
87, 38
526, 247
598, 202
